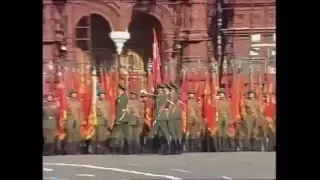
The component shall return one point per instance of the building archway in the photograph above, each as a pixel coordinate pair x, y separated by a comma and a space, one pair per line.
141, 32
92, 38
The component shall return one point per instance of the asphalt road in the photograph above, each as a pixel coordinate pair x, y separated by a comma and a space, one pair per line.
237, 165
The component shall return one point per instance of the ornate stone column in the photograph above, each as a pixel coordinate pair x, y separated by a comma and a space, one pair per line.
171, 63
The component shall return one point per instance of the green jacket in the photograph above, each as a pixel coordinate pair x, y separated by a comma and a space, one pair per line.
121, 106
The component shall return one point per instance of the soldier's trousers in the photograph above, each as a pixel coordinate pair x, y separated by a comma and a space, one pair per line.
193, 140
160, 127
137, 130
222, 137
118, 136
98, 141
74, 142
251, 132
49, 144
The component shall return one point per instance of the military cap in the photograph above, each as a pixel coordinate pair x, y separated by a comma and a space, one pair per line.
168, 86
48, 94
160, 86
143, 94
250, 92
100, 92
71, 91
134, 93
173, 85
121, 86
221, 91
191, 92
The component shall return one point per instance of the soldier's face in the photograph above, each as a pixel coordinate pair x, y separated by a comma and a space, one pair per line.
133, 96
50, 98
166, 90
120, 91
74, 95
191, 96
102, 96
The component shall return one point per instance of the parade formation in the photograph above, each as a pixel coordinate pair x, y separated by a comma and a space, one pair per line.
170, 120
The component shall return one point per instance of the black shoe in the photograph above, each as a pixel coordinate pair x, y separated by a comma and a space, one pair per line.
247, 144
179, 147
48, 149
216, 144
232, 144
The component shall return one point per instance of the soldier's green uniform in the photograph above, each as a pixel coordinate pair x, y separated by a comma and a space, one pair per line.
161, 113
223, 111
73, 123
135, 124
175, 118
101, 129
121, 119
193, 124
49, 122
251, 112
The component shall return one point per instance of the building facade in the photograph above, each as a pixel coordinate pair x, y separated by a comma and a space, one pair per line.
188, 31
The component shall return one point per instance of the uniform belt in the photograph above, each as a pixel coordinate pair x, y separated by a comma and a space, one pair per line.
50, 117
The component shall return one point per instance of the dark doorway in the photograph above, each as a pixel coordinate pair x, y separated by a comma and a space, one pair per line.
92, 37
141, 31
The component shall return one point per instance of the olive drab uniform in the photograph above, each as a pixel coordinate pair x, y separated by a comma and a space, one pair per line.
49, 122
102, 131
193, 124
73, 123
223, 111
121, 119
135, 124
252, 116
176, 122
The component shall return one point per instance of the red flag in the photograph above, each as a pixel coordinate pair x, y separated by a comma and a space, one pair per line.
207, 106
235, 97
156, 60
62, 107
183, 99
213, 107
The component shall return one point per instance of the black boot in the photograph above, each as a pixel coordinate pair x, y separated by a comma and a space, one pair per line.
271, 144
187, 145
48, 149
179, 147
265, 143
148, 147
225, 144
92, 148
101, 147
79, 147
246, 144
130, 146
256, 144
216, 144
232, 144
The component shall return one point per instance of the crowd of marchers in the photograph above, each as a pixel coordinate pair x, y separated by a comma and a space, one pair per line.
175, 127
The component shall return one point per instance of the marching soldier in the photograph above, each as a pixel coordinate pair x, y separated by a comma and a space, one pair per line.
101, 129
49, 124
121, 119
223, 111
135, 124
73, 123
193, 123
161, 114
251, 113
176, 118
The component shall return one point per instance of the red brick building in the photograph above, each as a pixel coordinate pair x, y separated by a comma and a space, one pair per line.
186, 29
